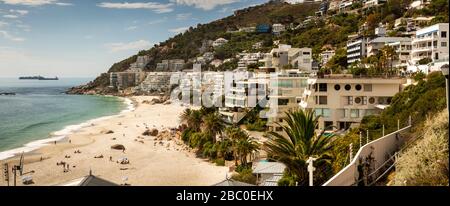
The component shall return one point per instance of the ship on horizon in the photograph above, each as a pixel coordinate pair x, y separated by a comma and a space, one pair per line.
37, 78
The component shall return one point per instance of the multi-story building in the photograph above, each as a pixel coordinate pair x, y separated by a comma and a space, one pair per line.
172, 65
278, 28
372, 3
356, 48
140, 64
285, 91
247, 29
375, 45
325, 56
219, 42
430, 42
156, 82
126, 79
298, 58
244, 94
403, 51
343, 100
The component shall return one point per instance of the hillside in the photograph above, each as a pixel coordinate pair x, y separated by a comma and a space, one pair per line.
330, 31
189, 44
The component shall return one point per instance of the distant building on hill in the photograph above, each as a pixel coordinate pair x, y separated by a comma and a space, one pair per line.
278, 28
219, 42
171, 65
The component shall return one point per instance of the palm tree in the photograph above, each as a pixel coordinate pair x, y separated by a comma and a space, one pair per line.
193, 118
245, 146
213, 125
242, 144
299, 143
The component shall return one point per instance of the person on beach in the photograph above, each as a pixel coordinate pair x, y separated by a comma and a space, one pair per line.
110, 158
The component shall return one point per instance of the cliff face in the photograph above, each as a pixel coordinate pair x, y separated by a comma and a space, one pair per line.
191, 43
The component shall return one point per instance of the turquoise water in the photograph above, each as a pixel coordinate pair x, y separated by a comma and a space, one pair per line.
40, 108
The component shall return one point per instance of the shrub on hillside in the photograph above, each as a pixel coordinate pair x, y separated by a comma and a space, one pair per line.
426, 163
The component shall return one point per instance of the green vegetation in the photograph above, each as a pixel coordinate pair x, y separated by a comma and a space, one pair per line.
301, 143
204, 125
244, 175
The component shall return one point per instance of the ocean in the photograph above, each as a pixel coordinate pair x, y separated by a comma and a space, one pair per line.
40, 112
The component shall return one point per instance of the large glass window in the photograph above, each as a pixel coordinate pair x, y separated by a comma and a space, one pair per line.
354, 113
324, 112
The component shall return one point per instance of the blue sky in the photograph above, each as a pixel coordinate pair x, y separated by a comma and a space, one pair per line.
83, 38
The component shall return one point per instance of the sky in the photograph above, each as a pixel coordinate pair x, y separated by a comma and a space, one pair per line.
83, 38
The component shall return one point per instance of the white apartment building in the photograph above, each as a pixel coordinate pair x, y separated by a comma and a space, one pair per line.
403, 51
219, 42
285, 92
172, 65
299, 58
431, 42
372, 3
247, 29
278, 28
140, 64
356, 48
156, 82
342, 101
375, 45
325, 56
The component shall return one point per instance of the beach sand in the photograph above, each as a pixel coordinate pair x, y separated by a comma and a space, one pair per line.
150, 164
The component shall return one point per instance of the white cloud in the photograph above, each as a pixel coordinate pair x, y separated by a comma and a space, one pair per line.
204, 4
24, 27
179, 30
131, 28
10, 16
10, 37
21, 12
184, 16
135, 46
154, 6
3, 24
35, 2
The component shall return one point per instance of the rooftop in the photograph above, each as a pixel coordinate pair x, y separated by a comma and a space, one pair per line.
269, 168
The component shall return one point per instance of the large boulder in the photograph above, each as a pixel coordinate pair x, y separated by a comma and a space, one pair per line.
151, 132
118, 147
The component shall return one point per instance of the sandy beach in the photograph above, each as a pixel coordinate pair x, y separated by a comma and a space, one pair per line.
152, 162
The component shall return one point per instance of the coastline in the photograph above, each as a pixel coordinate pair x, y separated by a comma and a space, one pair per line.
152, 162
62, 134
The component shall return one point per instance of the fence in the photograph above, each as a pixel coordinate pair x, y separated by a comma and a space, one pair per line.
368, 163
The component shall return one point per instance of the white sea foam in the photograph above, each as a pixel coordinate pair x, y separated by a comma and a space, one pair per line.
61, 134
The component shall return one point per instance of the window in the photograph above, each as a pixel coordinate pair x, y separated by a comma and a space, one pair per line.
443, 34
436, 56
350, 100
283, 101
358, 100
337, 87
443, 44
358, 87
322, 100
367, 87
324, 112
354, 113
348, 87
322, 87
364, 99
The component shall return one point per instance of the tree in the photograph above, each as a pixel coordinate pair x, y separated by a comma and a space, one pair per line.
213, 125
388, 55
242, 144
193, 118
299, 143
